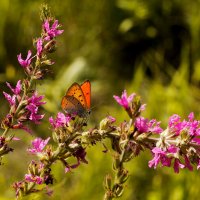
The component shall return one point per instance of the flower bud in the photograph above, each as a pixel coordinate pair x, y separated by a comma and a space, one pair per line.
55, 137
105, 123
116, 163
108, 182
123, 176
50, 47
47, 62
119, 190
32, 168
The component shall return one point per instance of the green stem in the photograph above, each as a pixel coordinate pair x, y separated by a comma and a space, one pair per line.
5, 132
108, 195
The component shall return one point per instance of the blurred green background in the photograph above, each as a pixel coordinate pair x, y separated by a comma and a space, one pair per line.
151, 47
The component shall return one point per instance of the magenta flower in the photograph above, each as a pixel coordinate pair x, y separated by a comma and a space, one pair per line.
18, 186
33, 104
39, 47
51, 31
191, 126
111, 119
142, 107
187, 163
25, 63
38, 145
178, 165
60, 121
144, 125
173, 149
124, 100
11, 99
165, 156
17, 89
33, 116
159, 156
198, 164
191, 116
36, 100
34, 178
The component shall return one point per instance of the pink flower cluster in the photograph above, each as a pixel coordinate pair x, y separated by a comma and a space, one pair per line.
192, 126
178, 145
28, 106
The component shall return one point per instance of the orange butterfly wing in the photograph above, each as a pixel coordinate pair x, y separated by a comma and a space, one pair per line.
76, 91
72, 106
77, 99
86, 89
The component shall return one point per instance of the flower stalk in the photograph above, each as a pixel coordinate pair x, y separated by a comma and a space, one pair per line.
25, 101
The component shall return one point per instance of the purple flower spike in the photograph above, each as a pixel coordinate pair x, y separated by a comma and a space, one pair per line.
38, 145
124, 100
52, 31
25, 63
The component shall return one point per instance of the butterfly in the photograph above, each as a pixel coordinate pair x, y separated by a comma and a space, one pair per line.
77, 99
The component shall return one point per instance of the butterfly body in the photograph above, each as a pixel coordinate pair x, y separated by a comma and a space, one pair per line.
77, 99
